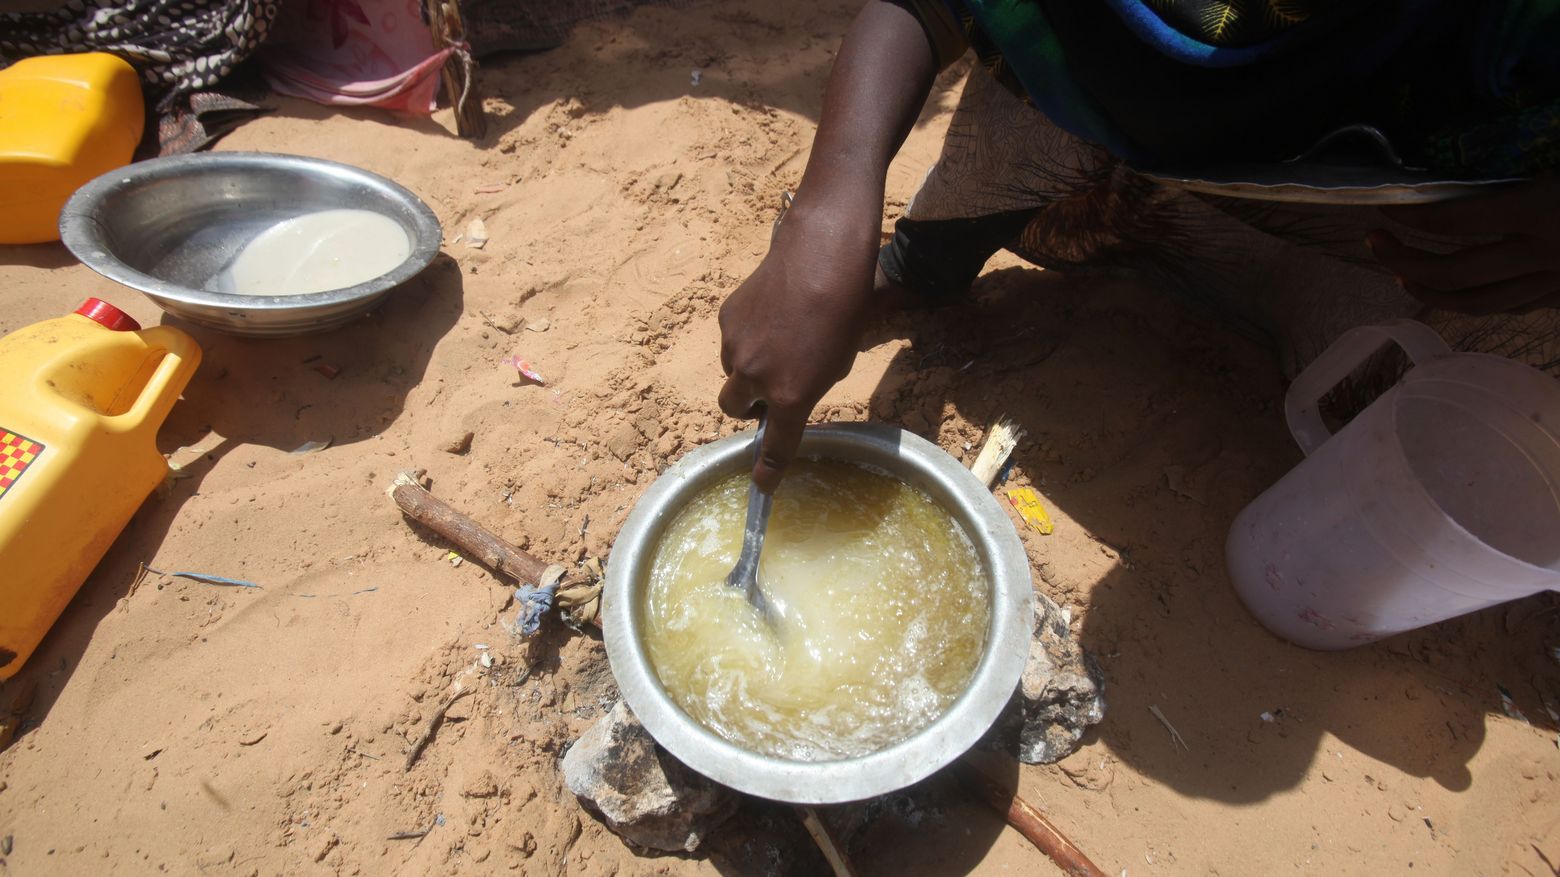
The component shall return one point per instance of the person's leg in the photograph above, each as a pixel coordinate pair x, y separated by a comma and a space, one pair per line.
1002, 165
936, 260
1294, 277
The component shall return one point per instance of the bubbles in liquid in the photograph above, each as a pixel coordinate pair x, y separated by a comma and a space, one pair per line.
882, 608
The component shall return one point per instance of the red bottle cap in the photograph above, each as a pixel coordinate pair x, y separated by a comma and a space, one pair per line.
99, 311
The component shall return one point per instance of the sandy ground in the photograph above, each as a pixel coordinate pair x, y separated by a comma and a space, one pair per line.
185, 728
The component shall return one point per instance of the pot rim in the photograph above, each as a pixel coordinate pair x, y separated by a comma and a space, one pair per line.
966, 720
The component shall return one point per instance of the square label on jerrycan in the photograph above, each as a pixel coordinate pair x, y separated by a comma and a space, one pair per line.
17, 452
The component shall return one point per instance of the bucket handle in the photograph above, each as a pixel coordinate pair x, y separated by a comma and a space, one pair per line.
180, 358
1302, 403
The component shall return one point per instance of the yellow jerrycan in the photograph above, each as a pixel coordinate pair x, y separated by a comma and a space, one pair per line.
64, 119
81, 399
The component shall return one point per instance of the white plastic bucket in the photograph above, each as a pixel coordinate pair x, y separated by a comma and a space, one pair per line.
1441, 498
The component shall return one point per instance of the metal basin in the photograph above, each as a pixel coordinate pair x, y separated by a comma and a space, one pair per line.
906, 456
167, 226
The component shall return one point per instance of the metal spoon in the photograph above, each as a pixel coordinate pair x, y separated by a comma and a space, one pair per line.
745, 574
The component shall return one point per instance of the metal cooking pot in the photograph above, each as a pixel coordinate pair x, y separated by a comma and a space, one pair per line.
903, 455
168, 225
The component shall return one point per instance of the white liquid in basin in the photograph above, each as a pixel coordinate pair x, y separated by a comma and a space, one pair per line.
883, 609
315, 252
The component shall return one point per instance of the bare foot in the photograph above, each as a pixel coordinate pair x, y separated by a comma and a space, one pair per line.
895, 296
891, 298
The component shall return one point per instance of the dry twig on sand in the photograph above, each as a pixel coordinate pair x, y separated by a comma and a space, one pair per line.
1175, 736
1030, 823
433, 723
832, 852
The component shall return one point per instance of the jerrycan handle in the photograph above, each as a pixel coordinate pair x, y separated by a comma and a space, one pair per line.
1302, 403
180, 358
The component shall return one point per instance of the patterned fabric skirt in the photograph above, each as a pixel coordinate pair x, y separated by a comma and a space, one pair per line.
182, 48
187, 50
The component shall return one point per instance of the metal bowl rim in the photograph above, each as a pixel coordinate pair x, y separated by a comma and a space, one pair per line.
80, 230
824, 782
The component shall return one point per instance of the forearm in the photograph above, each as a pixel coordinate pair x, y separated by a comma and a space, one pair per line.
789, 332
879, 83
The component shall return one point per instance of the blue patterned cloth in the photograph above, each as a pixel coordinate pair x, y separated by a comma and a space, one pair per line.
1198, 82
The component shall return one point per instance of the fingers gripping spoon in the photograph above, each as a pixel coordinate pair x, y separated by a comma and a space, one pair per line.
745, 574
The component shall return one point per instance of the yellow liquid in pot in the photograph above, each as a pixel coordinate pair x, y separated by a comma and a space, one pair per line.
881, 608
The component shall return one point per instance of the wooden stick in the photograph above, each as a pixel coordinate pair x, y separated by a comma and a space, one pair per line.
832, 853
459, 72
432, 726
472, 539
578, 596
411, 835
1030, 822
